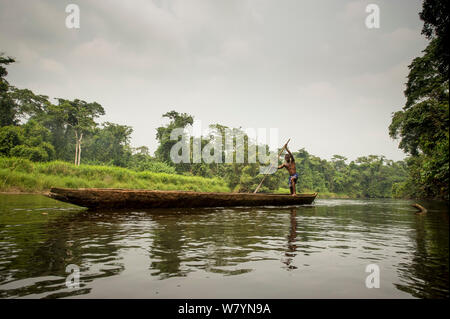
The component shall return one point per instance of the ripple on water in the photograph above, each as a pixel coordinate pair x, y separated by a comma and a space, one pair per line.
240, 249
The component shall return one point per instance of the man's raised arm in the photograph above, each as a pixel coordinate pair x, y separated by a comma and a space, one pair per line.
292, 156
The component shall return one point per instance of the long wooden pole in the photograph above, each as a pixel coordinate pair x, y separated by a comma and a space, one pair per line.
281, 151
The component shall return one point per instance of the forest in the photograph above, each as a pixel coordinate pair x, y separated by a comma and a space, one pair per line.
422, 126
40, 141
35, 129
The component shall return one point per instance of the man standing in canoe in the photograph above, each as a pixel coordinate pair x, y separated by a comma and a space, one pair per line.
290, 166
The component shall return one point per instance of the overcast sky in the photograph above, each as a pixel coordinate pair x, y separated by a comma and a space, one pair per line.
310, 68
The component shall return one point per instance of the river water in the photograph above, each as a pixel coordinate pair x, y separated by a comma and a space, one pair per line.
317, 251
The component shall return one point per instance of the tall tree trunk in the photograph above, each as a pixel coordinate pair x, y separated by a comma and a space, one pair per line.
79, 149
76, 148
79, 153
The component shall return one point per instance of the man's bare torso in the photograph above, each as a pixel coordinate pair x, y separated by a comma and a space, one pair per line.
290, 166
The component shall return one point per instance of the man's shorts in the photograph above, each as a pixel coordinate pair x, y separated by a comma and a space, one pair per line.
295, 178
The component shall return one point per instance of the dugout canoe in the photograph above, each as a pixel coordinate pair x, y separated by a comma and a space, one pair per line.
98, 198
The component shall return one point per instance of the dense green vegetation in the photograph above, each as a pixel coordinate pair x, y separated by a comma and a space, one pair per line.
18, 174
53, 134
423, 124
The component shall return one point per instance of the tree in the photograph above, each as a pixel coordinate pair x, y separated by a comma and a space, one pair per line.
30, 140
7, 106
423, 124
436, 22
110, 144
80, 116
177, 120
28, 104
10, 136
16, 104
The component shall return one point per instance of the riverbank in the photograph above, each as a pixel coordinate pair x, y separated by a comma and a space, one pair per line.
19, 176
23, 176
327, 195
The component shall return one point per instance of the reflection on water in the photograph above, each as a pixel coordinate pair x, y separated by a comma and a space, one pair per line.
291, 246
316, 251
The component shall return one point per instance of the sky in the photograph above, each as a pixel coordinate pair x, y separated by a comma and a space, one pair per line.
312, 69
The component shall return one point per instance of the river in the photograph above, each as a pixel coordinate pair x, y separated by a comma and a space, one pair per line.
317, 251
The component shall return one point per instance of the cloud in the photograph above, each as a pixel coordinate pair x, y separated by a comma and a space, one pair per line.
318, 91
353, 10
52, 66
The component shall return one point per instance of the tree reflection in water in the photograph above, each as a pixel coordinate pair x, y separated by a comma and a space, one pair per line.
426, 273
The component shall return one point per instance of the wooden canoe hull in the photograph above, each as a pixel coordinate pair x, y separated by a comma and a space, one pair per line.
98, 198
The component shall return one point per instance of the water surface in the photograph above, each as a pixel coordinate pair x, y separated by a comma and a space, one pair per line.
317, 251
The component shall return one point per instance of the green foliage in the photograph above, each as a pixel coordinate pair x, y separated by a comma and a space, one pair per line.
8, 109
28, 141
15, 104
10, 136
34, 133
151, 165
109, 145
78, 114
49, 149
33, 153
177, 120
367, 177
80, 117
13, 163
436, 23
20, 174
